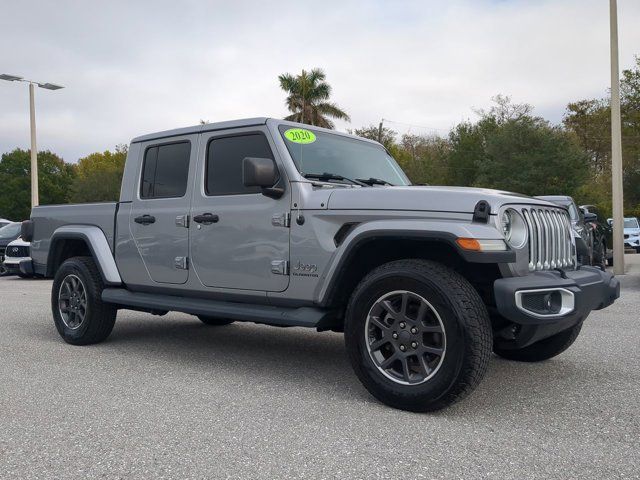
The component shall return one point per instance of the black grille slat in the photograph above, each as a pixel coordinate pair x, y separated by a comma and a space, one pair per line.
18, 251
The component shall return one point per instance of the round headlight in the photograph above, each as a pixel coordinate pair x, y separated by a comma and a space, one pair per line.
513, 228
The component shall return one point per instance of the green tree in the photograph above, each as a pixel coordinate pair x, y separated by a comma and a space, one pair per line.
510, 149
372, 133
423, 158
54, 175
308, 99
532, 157
99, 176
590, 121
467, 141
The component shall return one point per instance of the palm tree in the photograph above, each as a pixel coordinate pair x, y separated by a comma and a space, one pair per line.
307, 99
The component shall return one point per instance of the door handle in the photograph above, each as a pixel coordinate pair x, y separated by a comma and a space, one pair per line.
206, 218
145, 219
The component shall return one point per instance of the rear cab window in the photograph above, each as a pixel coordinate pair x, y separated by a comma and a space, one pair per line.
165, 170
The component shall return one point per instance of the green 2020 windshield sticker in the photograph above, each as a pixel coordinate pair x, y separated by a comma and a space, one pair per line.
300, 135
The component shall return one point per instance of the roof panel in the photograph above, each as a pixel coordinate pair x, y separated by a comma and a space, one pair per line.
245, 122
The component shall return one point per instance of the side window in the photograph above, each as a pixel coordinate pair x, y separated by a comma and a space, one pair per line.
224, 162
165, 171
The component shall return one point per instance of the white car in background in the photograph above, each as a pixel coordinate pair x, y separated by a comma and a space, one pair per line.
631, 232
17, 259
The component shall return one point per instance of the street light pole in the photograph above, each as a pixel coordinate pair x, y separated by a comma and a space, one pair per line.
35, 200
616, 147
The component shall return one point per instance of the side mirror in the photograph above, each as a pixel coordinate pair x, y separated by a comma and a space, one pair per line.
26, 231
590, 217
261, 172
610, 221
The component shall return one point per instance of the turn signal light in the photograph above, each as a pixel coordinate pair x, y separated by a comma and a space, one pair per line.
482, 245
469, 244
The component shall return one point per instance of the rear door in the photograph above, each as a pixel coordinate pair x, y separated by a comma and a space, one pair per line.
246, 244
158, 219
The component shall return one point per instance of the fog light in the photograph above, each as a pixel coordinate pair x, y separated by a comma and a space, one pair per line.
553, 301
545, 303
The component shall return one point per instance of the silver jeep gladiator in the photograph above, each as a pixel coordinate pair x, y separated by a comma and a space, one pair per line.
279, 223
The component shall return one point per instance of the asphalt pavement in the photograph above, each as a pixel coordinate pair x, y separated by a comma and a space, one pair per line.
168, 397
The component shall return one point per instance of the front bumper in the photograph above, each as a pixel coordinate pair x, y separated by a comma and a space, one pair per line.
18, 265
588, 288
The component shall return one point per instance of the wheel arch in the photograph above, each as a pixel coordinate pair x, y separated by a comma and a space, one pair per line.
83, 240
374, 248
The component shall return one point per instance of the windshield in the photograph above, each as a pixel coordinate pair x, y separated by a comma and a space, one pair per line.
628, 223
10, 231
316, 152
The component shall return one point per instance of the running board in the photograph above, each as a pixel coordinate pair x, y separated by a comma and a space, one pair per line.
245, 312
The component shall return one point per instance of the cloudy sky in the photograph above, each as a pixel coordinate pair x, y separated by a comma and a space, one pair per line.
133, 67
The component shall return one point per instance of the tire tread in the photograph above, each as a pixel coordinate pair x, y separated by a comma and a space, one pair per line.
468, 307
102, 316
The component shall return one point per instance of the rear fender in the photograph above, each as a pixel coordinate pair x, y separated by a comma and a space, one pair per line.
97, 242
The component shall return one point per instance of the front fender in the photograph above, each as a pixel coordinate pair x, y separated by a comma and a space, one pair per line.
98, 245
439, 230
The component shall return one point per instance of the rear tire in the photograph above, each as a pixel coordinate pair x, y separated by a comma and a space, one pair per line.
542, 350
418, 335
79, 314
215, 321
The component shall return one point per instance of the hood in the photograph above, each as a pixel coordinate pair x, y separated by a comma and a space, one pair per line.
19, 243
440, 199
632, 231
6, 241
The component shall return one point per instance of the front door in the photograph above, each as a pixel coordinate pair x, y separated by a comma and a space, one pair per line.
158, 219
237, 240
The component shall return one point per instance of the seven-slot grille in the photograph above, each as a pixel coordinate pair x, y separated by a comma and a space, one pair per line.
550, 238
17, 251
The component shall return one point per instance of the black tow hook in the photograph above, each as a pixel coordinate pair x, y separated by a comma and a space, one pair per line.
563, 274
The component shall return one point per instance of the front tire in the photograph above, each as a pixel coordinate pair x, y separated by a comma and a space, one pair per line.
542, 350
79, 314
418, 335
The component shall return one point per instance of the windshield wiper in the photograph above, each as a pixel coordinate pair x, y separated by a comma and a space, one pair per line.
374, 181
326, 177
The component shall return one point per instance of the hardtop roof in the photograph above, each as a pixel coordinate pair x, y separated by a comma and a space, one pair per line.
245, 122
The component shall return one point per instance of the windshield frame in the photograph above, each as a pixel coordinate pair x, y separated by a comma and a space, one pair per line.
281, 127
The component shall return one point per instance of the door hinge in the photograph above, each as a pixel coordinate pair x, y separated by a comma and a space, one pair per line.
280, 267
181, 263
281, 220
182, 221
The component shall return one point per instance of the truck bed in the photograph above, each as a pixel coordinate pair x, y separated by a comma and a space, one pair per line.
50, 217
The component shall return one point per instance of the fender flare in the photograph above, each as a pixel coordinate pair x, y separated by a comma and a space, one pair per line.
442, 231
97, 242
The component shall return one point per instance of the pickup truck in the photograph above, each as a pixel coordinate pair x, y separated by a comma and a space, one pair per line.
273, 222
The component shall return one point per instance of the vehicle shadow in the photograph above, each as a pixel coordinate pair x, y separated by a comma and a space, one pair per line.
301, 359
